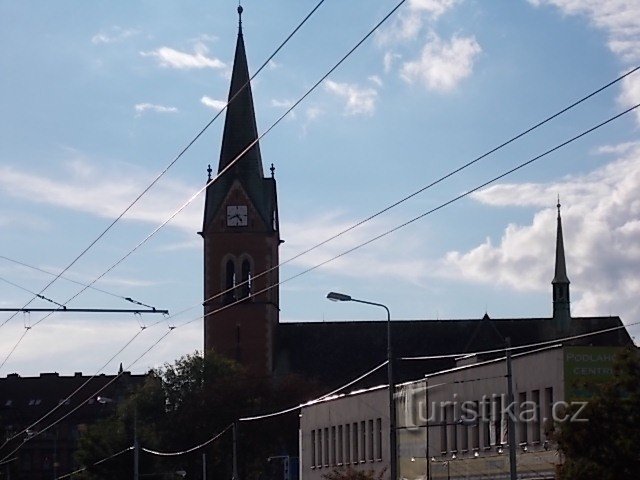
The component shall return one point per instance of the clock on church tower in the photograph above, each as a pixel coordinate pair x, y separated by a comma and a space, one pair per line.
241, 238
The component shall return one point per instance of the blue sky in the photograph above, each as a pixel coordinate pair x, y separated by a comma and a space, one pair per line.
97, 98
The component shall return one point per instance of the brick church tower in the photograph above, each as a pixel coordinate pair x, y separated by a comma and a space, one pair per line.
241, 238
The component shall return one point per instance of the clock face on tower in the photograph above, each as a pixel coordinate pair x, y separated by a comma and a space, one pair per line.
237, 216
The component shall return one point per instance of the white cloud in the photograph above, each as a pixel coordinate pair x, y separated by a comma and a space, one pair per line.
409, 22
375, 79
619, 149
114, 35
84, 344
169, 57
379, 258
389, 59
601, 220
360, 100
213, 103
442, 65
620, 20
108, 195
281, 103
141, 108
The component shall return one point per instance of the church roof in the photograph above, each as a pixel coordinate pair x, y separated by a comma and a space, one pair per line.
335, 352
240, 131
561, 265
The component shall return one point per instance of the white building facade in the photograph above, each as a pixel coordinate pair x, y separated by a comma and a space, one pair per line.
454, 423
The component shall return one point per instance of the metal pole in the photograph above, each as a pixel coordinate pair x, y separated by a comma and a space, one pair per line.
392, 403
512, 432
234, 474
136, 445
426, 426
204, 466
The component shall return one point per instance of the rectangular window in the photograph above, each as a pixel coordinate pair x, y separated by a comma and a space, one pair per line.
453, 429
320, 449
371, 437
535, 425
464, 438
313, 449
522, 399
443, 429
326, 447
379, 442
347, 443
355, 443
548, 406
475, 430
340, 444
363, 441
333, 446
486, 423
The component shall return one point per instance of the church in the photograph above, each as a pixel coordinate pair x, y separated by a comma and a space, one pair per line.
241, 295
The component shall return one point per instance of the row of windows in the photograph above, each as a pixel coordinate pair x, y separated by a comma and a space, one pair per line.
490, 429
352, 443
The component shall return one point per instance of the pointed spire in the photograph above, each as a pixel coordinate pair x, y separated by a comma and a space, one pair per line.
240, 128
560, 283
561, 266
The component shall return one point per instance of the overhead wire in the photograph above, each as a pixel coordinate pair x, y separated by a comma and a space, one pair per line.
457, 198
420, 190
80, 470
235, 160
521, 165
38, 269
25, 289
175, 159
189, 450
422, 215
73, 393
81, 404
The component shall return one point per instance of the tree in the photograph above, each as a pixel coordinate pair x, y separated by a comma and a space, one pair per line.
605, 446
186, 403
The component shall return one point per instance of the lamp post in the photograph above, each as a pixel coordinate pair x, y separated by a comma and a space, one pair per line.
393, 450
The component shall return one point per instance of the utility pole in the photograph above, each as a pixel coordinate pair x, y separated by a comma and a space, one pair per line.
136, 445
204, 466
511, 427
234, 474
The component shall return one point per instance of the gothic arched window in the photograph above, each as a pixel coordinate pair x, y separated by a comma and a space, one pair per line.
230, 282
246, 278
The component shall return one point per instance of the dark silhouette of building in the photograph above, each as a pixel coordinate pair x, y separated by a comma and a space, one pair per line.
24, 401
241, 240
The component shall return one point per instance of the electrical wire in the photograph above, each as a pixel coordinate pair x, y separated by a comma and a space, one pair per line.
210, 182
189, 450
23, 264
80, 470
81, 404
72, 394
530, 345
417, 192
518, 167
175, 159
422, 215
25, 289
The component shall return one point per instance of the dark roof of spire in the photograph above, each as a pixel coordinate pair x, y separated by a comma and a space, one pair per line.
561, 266
240, 131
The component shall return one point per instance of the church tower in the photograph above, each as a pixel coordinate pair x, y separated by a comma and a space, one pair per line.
241, 237
560, 283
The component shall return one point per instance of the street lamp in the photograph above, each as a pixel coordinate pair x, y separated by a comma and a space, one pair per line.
393, 450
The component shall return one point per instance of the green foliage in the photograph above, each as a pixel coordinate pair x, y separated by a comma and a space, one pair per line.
605, 447
187, 402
